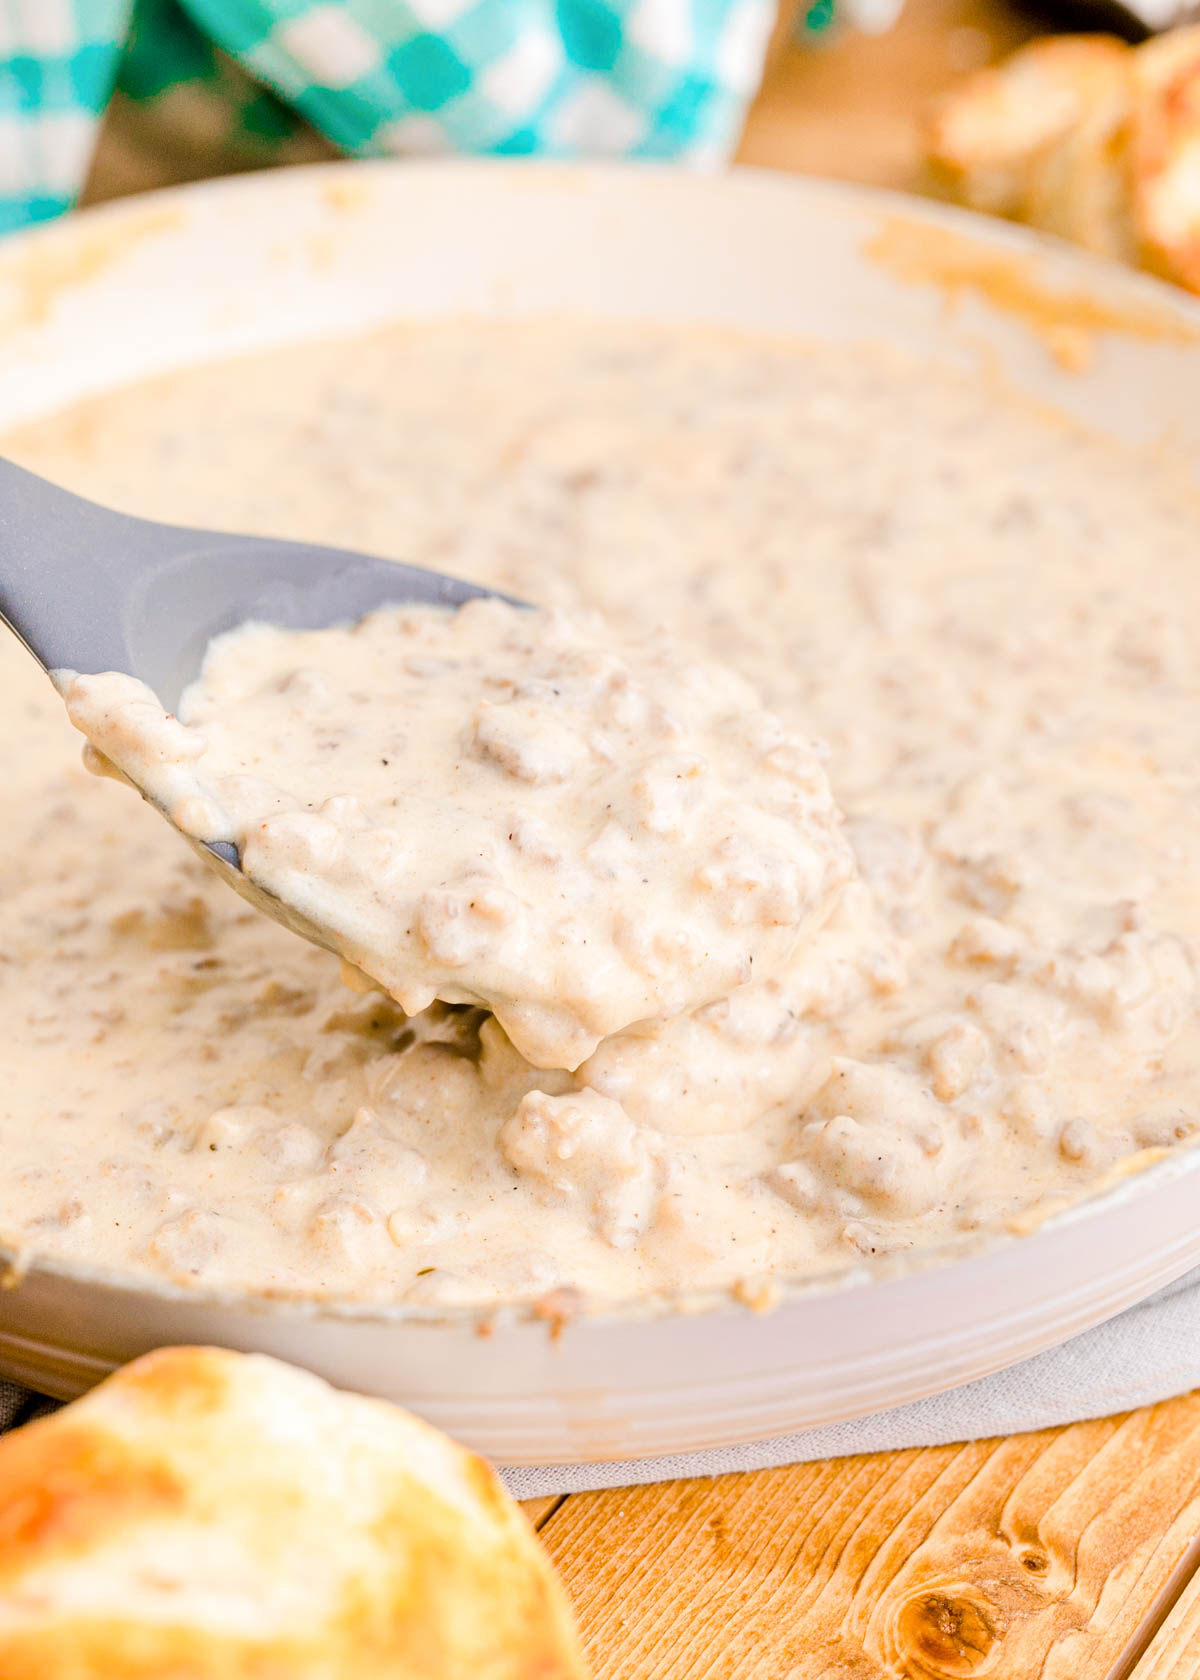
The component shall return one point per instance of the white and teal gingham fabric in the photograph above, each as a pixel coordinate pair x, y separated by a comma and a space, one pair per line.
57, 67
655, 79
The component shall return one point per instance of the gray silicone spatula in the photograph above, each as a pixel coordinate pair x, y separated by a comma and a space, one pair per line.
88, 589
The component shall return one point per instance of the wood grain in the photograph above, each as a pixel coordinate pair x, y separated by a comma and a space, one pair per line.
1174, 1651
537, 1510
1041, 1555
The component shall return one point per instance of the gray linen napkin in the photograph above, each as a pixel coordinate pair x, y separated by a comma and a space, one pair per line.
1144, 1354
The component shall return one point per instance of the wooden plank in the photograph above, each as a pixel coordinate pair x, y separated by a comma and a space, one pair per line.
1174, 1652
1037, 1556
537, 1510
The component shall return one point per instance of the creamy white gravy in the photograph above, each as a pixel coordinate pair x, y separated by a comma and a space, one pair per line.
500, 806
988, 620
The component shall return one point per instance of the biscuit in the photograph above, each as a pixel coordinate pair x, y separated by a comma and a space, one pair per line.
987, 135
1087, 138
1166, 155
204, 1514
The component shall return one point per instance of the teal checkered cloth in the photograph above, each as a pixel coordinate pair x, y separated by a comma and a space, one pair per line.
562, 78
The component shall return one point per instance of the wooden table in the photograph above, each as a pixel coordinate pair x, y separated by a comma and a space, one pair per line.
1071, 1554
1066, 1555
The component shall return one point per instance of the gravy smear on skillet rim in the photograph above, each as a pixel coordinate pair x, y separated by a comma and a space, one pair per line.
985, 619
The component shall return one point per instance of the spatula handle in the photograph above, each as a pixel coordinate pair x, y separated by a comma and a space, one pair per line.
63, 573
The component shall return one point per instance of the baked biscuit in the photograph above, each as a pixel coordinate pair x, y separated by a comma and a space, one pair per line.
1087, 138
1166, 155
206, 1514
991, 133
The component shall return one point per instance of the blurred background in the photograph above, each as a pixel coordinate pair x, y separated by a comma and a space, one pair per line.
1080, 117
836, 98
